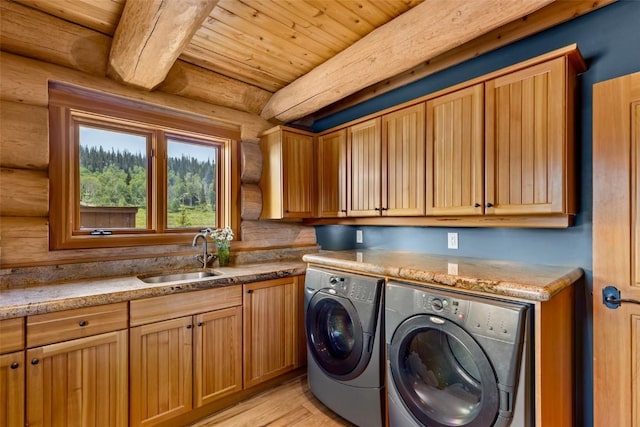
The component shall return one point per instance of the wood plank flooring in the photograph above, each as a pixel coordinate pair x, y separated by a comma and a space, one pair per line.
290, 404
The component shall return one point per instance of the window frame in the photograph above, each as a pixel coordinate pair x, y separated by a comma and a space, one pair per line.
70, 107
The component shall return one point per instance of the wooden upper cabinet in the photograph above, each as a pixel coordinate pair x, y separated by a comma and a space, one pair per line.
386, 164
529, 140
288, 181
332, 174
455, 153
364, 163
403, 162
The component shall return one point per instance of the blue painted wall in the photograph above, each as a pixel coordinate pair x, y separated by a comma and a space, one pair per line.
609, 40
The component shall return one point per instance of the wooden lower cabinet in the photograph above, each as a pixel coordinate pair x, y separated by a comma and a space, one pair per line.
270, 329
81, 382
161, 370
12, 389
218, 354
181, 364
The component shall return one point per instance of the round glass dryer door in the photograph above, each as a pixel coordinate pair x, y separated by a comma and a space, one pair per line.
334, 334
442, 374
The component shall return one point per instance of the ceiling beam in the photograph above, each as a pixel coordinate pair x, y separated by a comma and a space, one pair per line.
422, 33
549, 16
151, 35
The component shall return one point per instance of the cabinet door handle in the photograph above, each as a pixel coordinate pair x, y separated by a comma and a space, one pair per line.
199, 323
376, 209
476, 205
34, 361
384, 209
489, 205
83, 323
189, 326
15, 365
249, 291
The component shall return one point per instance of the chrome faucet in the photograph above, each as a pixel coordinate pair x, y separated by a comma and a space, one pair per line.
206, 257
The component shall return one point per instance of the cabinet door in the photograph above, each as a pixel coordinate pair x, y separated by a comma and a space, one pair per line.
161, 370
81, 382
332, 174
455, 153
525, 141
403, 162
217, 354
298, 170
12, 389
270, 329
364, 163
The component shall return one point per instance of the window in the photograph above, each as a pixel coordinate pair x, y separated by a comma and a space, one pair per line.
124, 173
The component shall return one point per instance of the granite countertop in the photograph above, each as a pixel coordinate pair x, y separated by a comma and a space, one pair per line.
81, 293
512, 279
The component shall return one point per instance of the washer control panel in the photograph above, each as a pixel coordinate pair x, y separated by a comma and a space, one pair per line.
492, 318
356, 288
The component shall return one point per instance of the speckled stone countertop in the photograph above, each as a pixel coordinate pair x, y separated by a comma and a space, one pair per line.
82, 293
518, 280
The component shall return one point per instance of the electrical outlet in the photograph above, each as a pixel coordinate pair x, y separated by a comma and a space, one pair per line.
359, 237
452, 268
452, 240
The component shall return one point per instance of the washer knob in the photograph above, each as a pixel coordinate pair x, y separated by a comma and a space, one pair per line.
436, 304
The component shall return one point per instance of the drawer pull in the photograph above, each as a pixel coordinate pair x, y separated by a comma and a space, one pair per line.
15, 365
34, 361
83, 323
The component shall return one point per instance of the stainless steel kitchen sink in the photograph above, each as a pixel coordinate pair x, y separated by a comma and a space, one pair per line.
176, 277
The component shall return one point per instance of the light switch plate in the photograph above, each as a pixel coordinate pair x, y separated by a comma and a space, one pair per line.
452, 268
359, 237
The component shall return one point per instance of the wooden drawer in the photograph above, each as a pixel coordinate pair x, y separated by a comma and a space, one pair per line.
71, 324
171, 306
11, 335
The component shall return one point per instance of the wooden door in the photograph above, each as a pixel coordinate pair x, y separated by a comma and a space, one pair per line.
161, 371
332, 174
12, 389
403, 162
616, 250
455, 153
82, 382
526, 140
364, 163
217, 354
298, 175
270, 329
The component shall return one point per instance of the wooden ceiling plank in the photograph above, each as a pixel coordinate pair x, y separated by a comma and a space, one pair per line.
99, 15
270, 23
344, 16
369, 12
393, 7
242, 51
150, 37
292, 19
35, 34
547, 17
242, 29
419, 34
324, 22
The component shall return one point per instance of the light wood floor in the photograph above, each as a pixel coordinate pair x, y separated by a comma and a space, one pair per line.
290, 404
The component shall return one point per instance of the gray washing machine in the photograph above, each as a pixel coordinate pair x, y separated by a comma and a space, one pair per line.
456, 359
343, 325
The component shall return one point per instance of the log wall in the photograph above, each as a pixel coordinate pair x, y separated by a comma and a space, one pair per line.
24, 157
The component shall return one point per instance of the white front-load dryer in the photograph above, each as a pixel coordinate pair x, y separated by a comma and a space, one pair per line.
456, 359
